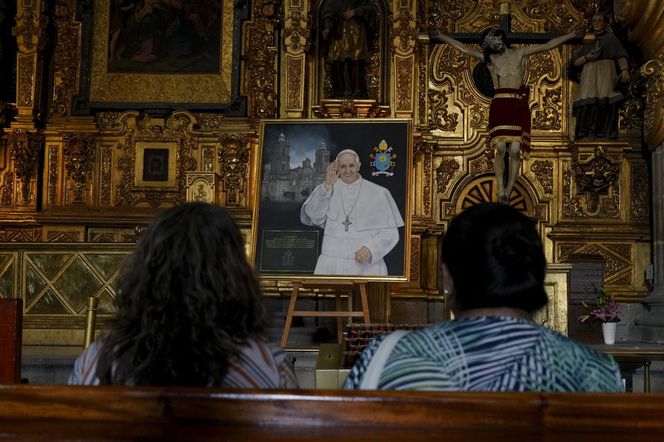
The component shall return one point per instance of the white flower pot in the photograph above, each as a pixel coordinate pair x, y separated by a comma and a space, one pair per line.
609, 332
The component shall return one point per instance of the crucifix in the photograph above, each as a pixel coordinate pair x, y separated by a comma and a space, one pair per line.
509, 112
346, 224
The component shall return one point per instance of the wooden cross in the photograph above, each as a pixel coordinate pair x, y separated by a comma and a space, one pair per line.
506, 26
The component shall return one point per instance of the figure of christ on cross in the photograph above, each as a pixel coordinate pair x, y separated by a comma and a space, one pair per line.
509, 112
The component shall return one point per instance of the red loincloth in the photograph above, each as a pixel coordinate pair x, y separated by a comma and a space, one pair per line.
509, 117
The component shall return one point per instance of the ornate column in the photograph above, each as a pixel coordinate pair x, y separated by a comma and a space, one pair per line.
30, 38
293, 68
403, 35
653, 70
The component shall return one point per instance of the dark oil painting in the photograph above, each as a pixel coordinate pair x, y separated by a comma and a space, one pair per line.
164, 36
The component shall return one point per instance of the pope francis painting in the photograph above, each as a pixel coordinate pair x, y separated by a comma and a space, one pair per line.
360, 220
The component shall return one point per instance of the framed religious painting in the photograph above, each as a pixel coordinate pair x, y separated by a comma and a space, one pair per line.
161, 55
334, 199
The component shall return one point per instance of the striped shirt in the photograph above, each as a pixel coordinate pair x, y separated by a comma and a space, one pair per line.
490, 353
259, 365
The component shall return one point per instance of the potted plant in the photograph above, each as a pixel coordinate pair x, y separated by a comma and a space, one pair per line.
604, 310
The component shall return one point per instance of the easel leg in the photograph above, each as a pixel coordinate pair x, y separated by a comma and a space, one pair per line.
365, 302
289, 315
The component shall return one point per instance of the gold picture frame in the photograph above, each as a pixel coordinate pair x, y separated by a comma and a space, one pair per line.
292, 162
204, 89
156, 164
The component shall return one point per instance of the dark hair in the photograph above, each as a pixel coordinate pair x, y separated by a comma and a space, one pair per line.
495, 258
486, 50
187, 300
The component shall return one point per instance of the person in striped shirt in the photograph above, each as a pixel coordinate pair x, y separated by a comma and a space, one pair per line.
493, 268
188, 312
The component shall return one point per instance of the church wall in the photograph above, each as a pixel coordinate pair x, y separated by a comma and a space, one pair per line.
73, 198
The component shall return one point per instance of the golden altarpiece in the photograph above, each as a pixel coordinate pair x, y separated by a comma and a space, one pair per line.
73, 198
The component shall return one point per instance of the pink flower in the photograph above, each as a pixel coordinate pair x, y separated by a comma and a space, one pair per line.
605, 309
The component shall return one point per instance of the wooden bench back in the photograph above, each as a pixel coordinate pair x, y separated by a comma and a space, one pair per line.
105, 413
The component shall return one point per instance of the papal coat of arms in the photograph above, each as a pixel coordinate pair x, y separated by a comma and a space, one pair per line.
382, 160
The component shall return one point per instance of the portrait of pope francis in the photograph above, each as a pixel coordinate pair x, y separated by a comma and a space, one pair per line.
360, 220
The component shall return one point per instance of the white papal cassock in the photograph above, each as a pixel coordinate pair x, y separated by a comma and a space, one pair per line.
373, 219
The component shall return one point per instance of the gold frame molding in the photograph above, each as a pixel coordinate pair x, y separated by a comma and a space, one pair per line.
141, 147
404, 156
159, 88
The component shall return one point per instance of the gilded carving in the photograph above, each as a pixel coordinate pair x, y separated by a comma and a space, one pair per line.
547, 117
444, 173
25, 79
108, 120
128, 193
595, 178
7, 192
543, 170
653, 116
378, 111
294, 83
208, 158
234, 166
295, 31
482, 164
443, 14
106, 174
404, 84
200, 187
640, 192
79, 157
66, 57
422, 83
610, 207
555, 14
439, 116
260, 60
571, 205
24, 149
631, 111
56, 236
451, 73
28, 28
415, 250
208, 120
348, 109
423, 148
53, 162
29, 234
402, 33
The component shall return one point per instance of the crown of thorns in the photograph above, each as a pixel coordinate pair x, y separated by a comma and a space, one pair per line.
491, 32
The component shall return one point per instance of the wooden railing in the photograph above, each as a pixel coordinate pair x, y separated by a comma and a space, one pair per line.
123, 413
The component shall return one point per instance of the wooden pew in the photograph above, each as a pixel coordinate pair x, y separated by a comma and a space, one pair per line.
33, 412
11, 319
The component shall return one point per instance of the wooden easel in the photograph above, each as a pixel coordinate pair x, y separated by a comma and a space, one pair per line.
338, 286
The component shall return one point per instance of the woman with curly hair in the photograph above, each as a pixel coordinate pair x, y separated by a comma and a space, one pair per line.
189, 312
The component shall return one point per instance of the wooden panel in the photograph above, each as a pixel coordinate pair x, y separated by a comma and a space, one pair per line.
11, 316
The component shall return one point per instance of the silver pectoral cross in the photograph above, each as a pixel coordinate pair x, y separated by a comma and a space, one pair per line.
346, 223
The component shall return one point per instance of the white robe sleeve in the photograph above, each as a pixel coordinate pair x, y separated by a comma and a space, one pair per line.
382, 242
314, 210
